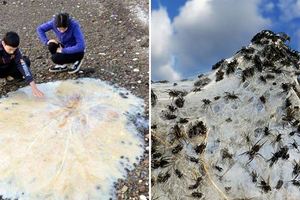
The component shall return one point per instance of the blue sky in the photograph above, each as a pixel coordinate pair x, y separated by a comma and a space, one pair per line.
188, 37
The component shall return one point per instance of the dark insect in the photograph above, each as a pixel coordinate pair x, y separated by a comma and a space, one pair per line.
227, 189
198, 129
286, 86
282, 153
206, 104
206, 101
183, 120
193, 159
247, 137
197, 194
219, 75
177, 133
154, 126
200, 148
231, 96
226, 154
247, 57
162, 162
258, 63
156, 155
179, 102
277, 71
262, 79
169, 116
220, 169
296, 169
231, 67
265, 185
178, 173
292, 133
202, 82
162, 178
288, 103
270, 76
228, 120
254, 176
196, 185
197, 89
152, 182
277, 139
296, 182
176, 93
262, 99
216, 98
279, 184
267, 131
295, 123
246, 73
290, 115
177, 149
295, 145
254, 151
171, 108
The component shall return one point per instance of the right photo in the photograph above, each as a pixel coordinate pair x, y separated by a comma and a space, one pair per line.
225, 100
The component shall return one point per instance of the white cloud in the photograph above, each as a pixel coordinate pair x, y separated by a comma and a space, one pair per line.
208, 30
290, 9
166, 72
269, 7
204, 32
161, 50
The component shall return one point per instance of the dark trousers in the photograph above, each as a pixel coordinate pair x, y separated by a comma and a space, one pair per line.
12, 70
63, 58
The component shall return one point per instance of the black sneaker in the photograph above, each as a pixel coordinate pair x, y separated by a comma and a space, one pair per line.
75, 67
58, 68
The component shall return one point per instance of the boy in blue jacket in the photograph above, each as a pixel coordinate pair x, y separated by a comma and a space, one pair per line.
13, 65
70, 46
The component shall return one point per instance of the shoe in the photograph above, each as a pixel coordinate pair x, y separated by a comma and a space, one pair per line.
75, 68
9, 78
58, 68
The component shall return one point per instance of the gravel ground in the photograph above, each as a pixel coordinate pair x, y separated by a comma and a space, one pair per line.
117, 37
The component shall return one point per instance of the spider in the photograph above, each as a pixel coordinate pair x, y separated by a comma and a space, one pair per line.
254, 151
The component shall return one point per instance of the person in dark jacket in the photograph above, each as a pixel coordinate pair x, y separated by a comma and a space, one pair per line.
13, 65
69, 46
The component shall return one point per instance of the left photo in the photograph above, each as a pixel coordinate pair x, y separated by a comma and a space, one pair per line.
74, 100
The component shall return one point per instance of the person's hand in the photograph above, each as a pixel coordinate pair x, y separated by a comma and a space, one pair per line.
35, 91
59, 50
52, 40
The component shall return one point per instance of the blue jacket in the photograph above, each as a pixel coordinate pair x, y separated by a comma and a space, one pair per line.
72, 39
15, 59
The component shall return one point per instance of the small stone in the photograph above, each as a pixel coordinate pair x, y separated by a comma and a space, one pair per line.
135, 59
136, 70
124, 189
142, 189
